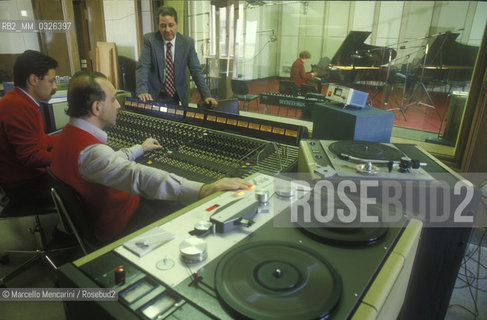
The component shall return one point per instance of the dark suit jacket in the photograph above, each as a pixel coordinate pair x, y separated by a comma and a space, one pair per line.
150, 68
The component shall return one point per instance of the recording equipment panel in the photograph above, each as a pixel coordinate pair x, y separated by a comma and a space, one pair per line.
277, 99
423, 187
251, 127
347, 96
53, 112
203, 154
238, 255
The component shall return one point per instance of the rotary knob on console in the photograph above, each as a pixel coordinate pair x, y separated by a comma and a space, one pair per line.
285, 192
262, 196
202, 229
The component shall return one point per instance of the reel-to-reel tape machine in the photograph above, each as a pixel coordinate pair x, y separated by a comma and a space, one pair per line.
252, 262
242, 255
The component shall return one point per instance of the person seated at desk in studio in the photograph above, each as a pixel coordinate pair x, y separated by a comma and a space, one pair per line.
24, 147
298, 73
113, 186
161, 69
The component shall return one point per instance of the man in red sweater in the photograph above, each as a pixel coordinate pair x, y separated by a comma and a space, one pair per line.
298, 74
24, 147
120, 194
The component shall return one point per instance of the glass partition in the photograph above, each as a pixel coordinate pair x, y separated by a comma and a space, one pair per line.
413, 58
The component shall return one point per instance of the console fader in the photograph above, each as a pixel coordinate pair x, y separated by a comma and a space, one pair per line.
200, 153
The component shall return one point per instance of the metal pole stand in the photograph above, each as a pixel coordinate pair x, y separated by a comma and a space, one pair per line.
421, 85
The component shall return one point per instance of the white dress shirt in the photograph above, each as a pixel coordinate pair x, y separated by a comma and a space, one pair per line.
100, 164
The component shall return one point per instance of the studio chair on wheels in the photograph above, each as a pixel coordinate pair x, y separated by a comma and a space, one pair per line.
241, 92
22, 209
74, 214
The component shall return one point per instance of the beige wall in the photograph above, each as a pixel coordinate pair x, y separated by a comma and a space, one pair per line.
120, 26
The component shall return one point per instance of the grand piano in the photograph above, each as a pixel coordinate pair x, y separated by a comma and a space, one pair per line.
355, 61
447, 60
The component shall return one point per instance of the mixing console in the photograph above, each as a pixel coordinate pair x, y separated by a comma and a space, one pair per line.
199, 153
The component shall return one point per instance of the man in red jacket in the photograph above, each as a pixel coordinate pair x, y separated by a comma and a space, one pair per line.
24, 147
298, 73
120, 194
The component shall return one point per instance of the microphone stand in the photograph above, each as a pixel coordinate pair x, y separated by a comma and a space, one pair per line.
386, 81
401, 107
421, 85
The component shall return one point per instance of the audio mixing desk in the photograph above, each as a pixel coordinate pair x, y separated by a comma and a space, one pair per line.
204, 145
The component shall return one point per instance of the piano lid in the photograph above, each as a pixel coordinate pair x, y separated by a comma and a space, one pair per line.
354, 52
445, 53
447, 60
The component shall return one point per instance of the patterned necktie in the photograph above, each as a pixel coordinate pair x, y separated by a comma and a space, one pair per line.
169, 83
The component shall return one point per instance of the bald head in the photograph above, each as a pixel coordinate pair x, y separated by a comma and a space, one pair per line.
84, 89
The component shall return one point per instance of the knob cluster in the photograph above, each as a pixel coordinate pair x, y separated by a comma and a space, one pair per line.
195, 152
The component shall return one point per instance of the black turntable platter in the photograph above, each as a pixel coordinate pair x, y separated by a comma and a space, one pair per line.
277, 280
339, 230
366, 150
347, 236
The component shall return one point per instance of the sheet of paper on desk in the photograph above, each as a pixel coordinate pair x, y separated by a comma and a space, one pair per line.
148, 241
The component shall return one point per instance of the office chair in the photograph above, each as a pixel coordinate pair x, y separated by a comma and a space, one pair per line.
74, 214
25, 209
241, 92
289, 88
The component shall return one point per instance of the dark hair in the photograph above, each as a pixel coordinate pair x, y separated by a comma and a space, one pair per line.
167, 11
82, 92
304, 55
31, 62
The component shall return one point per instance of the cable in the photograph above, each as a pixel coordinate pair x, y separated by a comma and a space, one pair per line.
197, 281
478, 270
460, 306
473, 298
470, 277
237, 162
268, 41
277, 149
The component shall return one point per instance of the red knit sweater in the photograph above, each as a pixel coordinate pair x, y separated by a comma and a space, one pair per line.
298, 74
24, 147
110, 209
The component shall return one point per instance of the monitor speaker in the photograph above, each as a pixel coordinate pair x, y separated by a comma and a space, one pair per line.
454, 117
334, 123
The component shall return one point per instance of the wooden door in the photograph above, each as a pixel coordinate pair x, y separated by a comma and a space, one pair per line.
90, 23
53, 44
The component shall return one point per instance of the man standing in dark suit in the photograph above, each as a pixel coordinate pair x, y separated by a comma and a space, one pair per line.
161, 70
